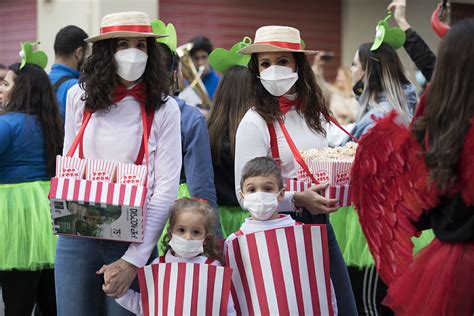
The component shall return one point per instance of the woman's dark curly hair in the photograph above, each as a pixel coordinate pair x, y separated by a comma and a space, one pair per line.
211, 246
309, 93
99, 78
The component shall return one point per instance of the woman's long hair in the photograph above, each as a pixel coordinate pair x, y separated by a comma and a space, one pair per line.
231, 102
449, 104
211, 246
308, 91
33, 94
99, 78
384, 75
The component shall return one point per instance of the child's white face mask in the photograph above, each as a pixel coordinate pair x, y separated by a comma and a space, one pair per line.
262, 205
185, 248
278, 80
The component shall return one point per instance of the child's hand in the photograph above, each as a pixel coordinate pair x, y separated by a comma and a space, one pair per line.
110, 274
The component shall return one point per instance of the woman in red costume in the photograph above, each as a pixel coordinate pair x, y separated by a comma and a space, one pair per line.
420, 178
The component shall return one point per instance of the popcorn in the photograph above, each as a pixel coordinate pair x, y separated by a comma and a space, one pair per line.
329, 165
101, 170
131, 174
70, 167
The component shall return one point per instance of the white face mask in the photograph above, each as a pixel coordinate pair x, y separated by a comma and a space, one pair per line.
278, 80
262, 205
184, 248
131, 63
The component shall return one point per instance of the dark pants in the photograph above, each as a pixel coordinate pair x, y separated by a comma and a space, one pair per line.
369, 291
340, 277
22, 289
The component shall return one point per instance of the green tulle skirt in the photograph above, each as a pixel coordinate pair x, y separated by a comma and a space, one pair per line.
352, 242
27, 241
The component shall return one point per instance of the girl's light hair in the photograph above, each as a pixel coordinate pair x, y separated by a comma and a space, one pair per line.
212, 249
384, 75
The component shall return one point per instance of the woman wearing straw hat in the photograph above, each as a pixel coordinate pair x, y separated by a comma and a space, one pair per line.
288, 107
122, 78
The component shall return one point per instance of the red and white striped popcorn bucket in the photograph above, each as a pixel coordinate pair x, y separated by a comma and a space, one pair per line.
333, 172
101, 170
70, 167
281, 272
343, 193
131, 174
184, 289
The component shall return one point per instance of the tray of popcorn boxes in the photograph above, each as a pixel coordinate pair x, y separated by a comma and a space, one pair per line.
327, 165
98, 199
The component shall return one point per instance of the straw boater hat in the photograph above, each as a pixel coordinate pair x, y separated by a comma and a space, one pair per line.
124, 24
274, 38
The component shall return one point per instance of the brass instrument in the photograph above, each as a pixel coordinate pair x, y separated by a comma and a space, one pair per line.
193, 75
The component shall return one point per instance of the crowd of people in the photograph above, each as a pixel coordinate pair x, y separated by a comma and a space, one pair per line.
213, 176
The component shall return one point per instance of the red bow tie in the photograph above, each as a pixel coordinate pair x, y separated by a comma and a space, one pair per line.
286, 104
138, 92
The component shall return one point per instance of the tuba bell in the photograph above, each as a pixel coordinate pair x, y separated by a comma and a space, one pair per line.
193, 76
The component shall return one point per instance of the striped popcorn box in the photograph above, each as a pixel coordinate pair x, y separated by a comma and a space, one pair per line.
131, 174
184, 289
70, 167
101, 170
327, 171
281, 272
341, 192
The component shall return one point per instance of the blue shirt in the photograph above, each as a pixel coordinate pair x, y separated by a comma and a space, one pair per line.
21, 149
211, 81
57, 72
197, 171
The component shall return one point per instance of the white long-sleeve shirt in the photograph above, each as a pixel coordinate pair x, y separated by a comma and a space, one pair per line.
253, 140
132, 300
250, 226
116, 135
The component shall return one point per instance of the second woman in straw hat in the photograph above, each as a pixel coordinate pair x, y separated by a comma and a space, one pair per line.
285, 95
121, 81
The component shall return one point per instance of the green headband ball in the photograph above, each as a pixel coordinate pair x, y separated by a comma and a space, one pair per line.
222, 59
28, 56
171, 40
393, 36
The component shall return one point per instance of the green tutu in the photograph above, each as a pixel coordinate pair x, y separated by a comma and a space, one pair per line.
352, 242
232, 218
27, 240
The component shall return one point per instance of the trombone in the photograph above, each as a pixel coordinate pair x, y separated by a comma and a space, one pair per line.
193, 75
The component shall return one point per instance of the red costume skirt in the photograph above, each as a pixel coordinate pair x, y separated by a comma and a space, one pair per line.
440, 281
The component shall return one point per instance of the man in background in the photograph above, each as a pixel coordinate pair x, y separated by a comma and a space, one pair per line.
202, 47
70, 51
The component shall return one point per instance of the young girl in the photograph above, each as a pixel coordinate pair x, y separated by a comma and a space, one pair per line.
190, 239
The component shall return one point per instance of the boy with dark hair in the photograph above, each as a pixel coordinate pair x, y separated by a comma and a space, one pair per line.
70, 51
202, 47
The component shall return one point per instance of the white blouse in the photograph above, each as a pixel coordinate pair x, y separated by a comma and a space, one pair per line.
253, 140
116, 135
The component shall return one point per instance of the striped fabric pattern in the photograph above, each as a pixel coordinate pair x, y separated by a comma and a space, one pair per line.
341, 192
184, 289
97, 192
281, 272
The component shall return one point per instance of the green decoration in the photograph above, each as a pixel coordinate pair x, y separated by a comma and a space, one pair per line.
28, 56
393, 36
222, 59
171, 39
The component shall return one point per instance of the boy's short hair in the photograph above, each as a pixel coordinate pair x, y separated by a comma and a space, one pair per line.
68, 39
261, 167
201, 43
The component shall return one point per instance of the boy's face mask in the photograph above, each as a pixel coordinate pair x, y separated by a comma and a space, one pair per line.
262, 205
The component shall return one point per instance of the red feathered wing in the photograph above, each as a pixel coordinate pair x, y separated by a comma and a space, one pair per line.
466, 167
390, 192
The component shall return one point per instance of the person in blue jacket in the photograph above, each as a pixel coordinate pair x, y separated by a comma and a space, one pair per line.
31, 135
202, 47
70, 51
197, 174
